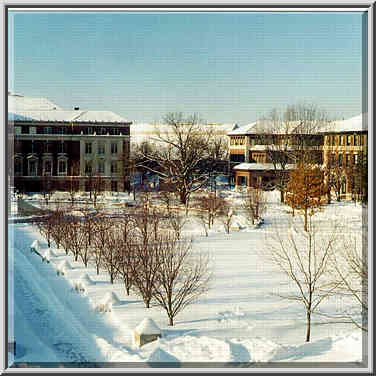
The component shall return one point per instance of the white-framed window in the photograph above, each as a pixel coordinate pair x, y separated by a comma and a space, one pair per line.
114, 148
101, 167
88, 147
88, 167
62, 167
47, 167
101, 148
32, 167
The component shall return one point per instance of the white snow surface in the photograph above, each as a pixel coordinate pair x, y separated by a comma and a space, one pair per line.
240, 319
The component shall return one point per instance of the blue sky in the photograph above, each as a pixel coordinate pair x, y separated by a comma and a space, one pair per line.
228, 67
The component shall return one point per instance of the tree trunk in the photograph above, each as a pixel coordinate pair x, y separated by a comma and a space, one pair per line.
305, 220
171, 319
76, 256
97, 269
308, 336
282, 197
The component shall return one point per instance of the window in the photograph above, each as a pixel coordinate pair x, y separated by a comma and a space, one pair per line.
348, 160
340, 159
101, 148
355, 140
100, 167
87, 147
88, 167
114, 186
47, 130
343, 186
25, 129
90, 130
47, 147
114, 148
348, 140
47, 167
355, 158
32, 167
62, 167
114, 168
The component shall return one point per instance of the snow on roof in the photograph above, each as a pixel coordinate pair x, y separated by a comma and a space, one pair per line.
147, 326
259, 166
355, 124
243, 129
17, 102
70, 116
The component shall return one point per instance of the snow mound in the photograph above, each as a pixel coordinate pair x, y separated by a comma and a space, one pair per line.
63, 267
147, 326
85, 280
110, 299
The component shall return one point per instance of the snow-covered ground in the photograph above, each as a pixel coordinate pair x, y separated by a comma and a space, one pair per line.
239, 320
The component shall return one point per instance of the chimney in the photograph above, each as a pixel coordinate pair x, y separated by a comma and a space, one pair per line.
76, 108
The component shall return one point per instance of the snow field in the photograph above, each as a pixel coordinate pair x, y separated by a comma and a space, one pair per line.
240, 319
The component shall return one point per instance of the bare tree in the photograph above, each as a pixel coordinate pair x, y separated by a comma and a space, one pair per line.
177, 221
210, 206
351, 271
304, 256
183, 156
254, 203
291, 136
101, 229
145, 267
227, 217
182, 276
110, 259
125, 251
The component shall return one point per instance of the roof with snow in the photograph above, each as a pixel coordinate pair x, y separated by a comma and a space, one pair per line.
41, 109
260, 166
17, 102
147, 326
70, 116
355, 124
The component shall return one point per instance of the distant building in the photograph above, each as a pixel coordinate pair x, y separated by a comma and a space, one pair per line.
62, 148
251, 148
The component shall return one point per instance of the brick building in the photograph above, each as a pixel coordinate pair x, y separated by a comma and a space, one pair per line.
252, 150
58, 148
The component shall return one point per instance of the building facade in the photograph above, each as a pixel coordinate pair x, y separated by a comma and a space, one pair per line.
253, 152
63, 150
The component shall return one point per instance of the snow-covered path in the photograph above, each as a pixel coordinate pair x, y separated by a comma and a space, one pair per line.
51, 321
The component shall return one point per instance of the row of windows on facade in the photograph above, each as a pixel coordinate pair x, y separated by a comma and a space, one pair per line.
72, 130
348, 140
101, 148
32, 167
343, 159
61, 167
100, 167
